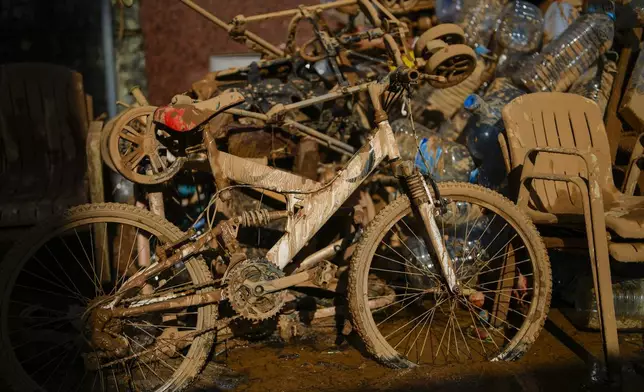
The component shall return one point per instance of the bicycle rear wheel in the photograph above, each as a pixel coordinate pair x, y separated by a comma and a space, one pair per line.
51, 282
401, 307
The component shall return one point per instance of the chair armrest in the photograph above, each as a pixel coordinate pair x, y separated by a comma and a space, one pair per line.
635, 166
531, 158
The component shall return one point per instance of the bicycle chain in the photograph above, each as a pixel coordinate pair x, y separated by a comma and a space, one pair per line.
179, 290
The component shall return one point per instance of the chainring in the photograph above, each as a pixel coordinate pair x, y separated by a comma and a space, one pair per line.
242, 298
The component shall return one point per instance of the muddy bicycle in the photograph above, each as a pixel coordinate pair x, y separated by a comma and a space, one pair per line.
446, 273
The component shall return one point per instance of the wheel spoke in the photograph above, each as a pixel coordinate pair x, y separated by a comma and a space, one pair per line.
132, 159
131, 137
479, 236
157, 163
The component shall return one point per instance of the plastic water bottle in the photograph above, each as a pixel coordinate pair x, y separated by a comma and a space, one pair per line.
566, 58
628, 298
521, 27
444, 160
557, 18
448, 10
404, 134
597, 83
510, 63
478, 19
483, 128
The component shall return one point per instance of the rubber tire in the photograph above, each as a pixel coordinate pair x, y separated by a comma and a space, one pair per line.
359, 272
115, 155
13, 373
439, 32
445, 54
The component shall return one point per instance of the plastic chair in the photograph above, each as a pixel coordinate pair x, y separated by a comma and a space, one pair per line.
558, 150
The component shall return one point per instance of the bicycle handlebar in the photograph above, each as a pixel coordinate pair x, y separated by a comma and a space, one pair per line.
404, 75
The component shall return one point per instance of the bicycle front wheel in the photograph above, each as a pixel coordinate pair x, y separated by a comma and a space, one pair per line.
401, 306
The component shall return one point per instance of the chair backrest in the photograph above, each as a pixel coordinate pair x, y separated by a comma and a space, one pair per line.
558, 120
43, 130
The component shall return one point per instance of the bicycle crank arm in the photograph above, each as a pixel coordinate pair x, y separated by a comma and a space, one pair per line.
319, 276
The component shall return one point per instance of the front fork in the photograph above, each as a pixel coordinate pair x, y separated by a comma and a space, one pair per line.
425, 206
422, 201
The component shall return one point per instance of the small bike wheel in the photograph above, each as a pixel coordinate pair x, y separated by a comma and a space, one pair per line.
455, 63
51, 282
135, 151
401, 307
449, 33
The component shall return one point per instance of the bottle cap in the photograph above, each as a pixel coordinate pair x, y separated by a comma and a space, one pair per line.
472, 102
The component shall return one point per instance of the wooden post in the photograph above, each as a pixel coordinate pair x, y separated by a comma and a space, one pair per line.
97, 195
613, 123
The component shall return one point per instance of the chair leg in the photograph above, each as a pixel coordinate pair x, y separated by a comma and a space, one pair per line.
600, 265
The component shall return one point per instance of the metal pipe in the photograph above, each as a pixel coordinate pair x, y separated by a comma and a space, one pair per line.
263, 43
250, 35
327, 97
139, 97
326, 252
319, 135
385, 11
208, 15
246, 113
291, 12
107, 35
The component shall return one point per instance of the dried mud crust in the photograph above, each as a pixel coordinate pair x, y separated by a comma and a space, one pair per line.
10, 267
359, 269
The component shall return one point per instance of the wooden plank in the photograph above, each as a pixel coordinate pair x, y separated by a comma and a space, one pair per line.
613, 123
44, 139
26, 183
79, 123
97, 195
34, 79
95, 163
503, 294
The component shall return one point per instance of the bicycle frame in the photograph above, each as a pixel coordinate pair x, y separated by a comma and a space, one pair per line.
238, 31
317, 203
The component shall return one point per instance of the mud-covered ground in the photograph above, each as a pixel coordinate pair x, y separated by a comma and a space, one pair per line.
562, 359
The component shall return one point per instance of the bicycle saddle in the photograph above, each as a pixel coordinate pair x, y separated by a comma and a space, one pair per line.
184, 117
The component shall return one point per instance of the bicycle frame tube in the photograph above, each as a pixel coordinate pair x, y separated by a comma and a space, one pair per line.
318, 201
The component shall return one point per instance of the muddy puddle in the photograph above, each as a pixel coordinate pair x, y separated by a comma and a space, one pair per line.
562, 359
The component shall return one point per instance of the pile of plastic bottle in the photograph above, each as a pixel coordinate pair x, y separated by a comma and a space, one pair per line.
524, 52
